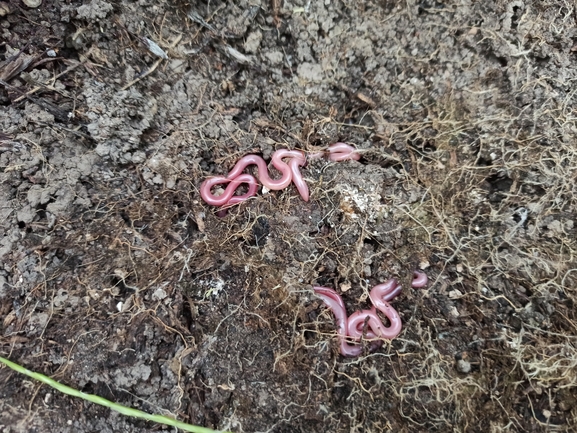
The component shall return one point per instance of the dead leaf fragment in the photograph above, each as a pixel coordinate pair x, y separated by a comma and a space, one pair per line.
14, 65
154, 48
237, 55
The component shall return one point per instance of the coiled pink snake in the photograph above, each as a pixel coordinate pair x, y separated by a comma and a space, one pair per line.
351, 328
290, 173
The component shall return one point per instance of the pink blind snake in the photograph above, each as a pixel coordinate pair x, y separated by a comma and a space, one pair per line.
350, 330
290, 172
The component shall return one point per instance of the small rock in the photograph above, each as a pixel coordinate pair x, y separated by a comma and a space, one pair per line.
159, 294
32, 3
455, 294
463, 366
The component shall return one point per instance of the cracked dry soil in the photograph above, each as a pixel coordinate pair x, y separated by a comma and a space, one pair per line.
117, 280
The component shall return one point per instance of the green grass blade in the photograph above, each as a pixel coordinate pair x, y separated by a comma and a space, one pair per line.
161, 419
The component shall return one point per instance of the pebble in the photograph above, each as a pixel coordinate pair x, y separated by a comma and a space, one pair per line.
463, 366
32, 3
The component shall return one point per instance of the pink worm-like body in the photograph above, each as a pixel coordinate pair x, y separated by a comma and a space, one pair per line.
290, 173
353, 326
227, 197
338, 152
343, 151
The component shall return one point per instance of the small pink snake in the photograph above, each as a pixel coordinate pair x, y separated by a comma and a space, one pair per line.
351, 328
290, 173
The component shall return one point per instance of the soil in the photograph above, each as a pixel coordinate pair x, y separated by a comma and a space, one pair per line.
116, 279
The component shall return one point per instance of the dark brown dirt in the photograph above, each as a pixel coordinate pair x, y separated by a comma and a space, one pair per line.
116, 279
